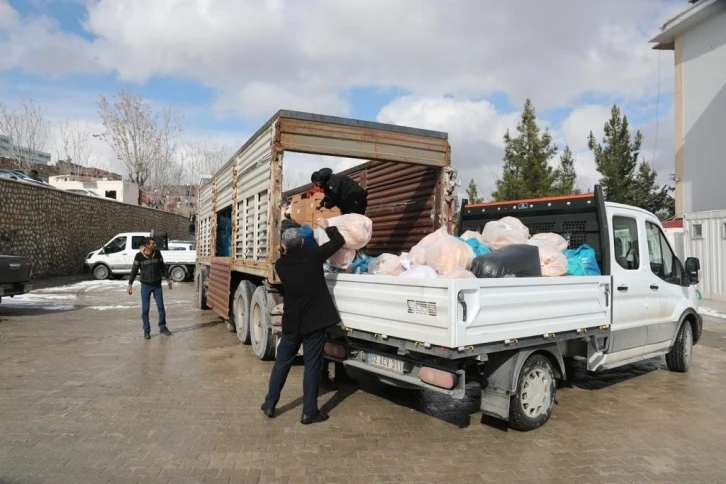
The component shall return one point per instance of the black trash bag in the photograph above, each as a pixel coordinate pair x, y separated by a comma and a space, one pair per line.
517, 260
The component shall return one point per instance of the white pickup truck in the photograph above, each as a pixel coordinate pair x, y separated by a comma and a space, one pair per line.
116, 257
512, 335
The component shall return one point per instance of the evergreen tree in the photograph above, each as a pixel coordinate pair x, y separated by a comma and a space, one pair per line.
624, 178
472, 193
565, 175
527, 172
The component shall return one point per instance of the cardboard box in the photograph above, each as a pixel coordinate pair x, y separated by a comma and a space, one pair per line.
303, 209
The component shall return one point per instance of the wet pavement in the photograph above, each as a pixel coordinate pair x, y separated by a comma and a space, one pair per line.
83, 398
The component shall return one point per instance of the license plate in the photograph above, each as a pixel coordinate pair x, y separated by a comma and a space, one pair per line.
385, 362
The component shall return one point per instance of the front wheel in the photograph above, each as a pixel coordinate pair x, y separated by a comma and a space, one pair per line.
534, 401
101, 272
679, 357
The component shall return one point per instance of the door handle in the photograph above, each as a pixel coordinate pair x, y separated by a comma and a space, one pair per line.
654, 287
623, 288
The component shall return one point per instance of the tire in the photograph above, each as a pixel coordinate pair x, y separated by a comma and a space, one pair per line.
241, 302
101, 272
680, 356
263, 340
178, 274
201, 291
534, 400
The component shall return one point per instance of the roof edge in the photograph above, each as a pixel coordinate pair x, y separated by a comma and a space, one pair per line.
690, 17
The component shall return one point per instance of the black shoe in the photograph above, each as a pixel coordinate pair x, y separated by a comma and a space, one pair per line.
327, 384
165, 331
270, 412
311, 419
147, 334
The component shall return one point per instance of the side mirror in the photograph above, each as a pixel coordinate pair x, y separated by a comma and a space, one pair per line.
692, 266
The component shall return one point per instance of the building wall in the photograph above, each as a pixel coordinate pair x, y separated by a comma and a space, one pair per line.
703, 70
126, 192
8, 148
705, 234
58, 229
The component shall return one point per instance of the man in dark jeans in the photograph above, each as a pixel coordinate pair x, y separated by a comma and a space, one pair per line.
151, 264
309, 310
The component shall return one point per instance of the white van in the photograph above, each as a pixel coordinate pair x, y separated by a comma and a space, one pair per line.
116, 257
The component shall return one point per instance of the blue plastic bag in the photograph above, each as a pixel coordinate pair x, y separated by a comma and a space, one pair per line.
582, 261
360, 264
476, 246
306, 232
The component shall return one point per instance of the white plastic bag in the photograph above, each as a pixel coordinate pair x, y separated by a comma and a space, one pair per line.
341, 259
448, 252
470, 234
386, 265
405, 260
418, 253
555, 240
553, 261
458, 273
420, 272
356, 230
503, 232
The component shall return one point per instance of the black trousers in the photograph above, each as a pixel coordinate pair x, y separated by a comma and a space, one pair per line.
356, 205
313, 346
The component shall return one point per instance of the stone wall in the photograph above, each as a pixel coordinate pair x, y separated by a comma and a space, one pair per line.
58, 229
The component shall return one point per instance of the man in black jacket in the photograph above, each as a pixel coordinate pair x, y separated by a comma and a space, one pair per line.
340, 191
151, 264
309, 310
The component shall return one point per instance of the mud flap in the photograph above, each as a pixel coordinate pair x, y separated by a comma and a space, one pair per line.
495, 402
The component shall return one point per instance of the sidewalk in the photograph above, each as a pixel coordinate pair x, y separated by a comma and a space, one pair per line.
60, 281
713, 308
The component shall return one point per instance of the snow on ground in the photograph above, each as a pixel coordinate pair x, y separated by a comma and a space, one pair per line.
711, 312
63, 298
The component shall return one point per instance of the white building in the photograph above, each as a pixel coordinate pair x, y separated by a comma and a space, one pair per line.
8, 149
120, 190
698, 39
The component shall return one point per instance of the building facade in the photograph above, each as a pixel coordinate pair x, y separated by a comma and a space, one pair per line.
698, 39
8, 149
119, 190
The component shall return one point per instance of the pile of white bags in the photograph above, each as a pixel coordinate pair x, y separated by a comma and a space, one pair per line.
503, 232
386, 265
446, 253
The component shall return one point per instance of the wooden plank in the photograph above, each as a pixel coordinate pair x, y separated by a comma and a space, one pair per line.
219, 282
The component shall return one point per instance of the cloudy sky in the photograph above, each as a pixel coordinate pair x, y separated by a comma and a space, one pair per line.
460, 66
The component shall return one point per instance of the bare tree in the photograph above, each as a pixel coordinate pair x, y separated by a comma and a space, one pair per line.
203, 156
74, 147
28, 130
143, 140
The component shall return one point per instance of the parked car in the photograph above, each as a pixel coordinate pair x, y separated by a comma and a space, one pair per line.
15, 274
82, 191
20, 176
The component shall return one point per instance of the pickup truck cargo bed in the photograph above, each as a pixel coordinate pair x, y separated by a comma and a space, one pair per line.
430, 311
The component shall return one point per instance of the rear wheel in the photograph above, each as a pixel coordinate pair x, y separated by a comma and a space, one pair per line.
178, 274
534, 400
201, 296
263, 339
241, 310
679, 357
101, 272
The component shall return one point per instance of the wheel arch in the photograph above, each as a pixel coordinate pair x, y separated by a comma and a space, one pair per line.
692, 317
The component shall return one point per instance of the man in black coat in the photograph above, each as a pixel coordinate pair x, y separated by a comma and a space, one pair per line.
340, 191
309, 311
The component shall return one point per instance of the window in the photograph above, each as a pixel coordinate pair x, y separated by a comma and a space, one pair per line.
724, 230
137, 241
116, 245
626, 253
663, 262
697, 231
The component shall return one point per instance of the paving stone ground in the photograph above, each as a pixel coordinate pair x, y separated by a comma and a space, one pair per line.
84, 399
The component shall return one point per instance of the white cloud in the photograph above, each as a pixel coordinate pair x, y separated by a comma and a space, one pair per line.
476, 129
258, 54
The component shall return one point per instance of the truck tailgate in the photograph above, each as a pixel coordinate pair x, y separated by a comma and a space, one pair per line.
14, 269
458, 313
